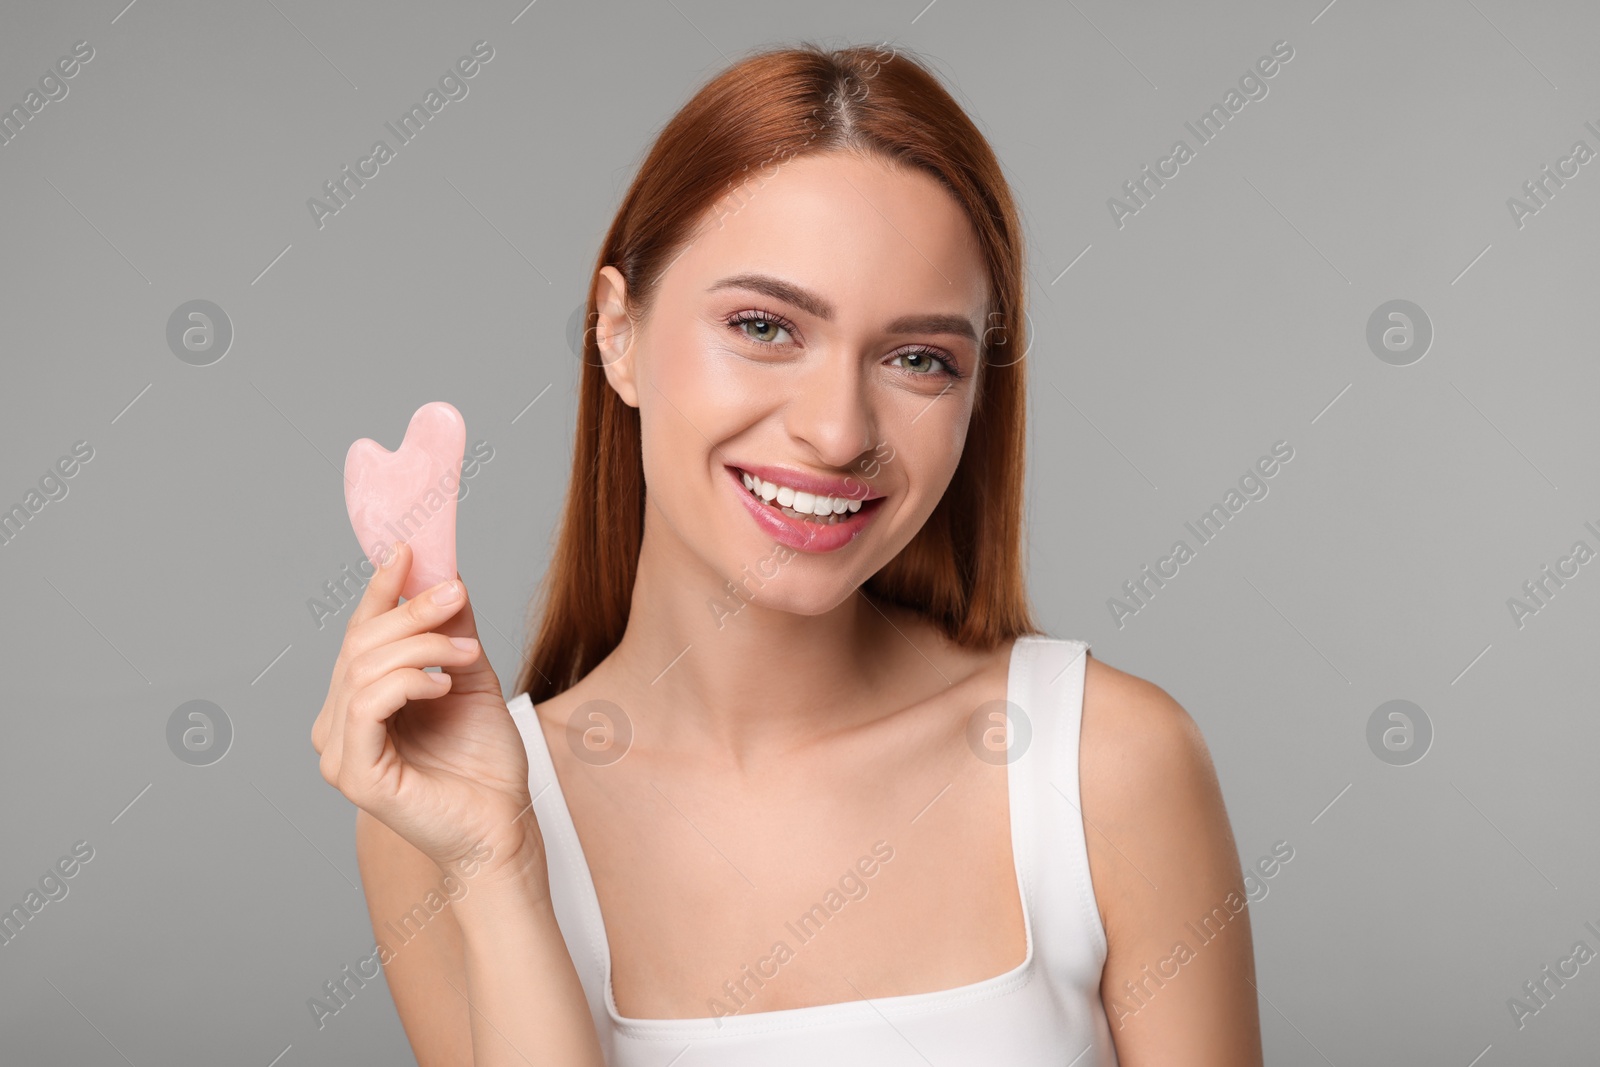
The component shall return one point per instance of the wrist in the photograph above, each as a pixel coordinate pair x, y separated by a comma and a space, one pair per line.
513, 852
506, 910
512, 883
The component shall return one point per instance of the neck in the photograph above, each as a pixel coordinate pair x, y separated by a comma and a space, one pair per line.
706, 669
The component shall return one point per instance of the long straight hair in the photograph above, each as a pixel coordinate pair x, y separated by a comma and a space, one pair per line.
963, 570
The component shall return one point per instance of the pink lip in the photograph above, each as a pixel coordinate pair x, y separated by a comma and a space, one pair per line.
800, 534
850, 488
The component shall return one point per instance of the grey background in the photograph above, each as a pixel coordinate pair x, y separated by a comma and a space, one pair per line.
1230, 313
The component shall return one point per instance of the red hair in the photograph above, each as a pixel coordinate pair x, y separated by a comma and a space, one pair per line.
963, 569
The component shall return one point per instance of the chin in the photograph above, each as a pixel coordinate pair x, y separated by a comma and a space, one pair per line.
773, 599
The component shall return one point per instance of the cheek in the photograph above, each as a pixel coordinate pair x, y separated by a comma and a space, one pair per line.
958, 440
936, 434
713, 388
929, 451
697, 395
677, 366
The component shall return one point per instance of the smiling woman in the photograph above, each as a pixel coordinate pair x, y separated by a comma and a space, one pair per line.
822, 389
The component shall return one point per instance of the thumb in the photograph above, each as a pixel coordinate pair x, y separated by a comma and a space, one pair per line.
477, 676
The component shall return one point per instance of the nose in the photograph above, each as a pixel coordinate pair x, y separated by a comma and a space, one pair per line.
832, 411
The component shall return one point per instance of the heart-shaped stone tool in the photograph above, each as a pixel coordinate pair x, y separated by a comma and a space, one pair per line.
410, 494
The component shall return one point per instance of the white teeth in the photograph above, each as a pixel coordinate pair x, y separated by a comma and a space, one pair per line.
798, 501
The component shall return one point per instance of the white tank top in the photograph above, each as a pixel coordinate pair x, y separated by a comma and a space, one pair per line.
1046, 1010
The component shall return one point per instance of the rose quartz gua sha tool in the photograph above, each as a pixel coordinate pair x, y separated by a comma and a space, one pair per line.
410, 494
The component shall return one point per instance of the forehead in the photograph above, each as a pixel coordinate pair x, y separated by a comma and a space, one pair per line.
876, 239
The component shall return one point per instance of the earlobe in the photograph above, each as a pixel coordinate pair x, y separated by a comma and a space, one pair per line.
613, 333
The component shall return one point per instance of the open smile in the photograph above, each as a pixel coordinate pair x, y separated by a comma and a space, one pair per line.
808, 521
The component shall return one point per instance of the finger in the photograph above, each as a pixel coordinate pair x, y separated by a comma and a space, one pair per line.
423, 613
417, 616
383, 590
475, 675
469, 667
421, 650
382, 594
366, 732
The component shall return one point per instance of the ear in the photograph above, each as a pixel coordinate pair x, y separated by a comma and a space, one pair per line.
614, 334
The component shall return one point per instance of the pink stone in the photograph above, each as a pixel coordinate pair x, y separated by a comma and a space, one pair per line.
410, 494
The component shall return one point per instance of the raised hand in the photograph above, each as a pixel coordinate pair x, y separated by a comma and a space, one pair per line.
434, 756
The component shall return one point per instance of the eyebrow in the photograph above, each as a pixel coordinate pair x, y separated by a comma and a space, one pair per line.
813, 304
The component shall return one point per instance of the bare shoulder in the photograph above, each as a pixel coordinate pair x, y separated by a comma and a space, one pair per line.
1137, 741
1149, 789
1162, 858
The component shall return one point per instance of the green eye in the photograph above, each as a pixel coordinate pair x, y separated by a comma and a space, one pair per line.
928, 357
763, 327
768, 324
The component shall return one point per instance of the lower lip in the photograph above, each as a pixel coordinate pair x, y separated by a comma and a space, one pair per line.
799, 534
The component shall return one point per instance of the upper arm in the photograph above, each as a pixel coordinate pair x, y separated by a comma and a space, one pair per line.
408, 897
1178, 984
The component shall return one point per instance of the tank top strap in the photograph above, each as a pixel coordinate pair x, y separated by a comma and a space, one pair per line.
1046, 687
572, 894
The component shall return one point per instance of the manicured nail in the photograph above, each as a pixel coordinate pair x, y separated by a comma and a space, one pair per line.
465, 644
438, 676
448, 594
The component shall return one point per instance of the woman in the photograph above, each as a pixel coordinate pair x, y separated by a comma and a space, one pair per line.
791, 776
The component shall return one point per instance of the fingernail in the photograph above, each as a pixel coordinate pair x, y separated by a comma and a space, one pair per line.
465, 644
438, 676
448, 594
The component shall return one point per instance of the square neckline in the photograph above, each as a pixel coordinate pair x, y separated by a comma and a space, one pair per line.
1018, 673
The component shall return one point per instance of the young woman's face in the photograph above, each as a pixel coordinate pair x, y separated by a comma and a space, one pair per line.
822, 333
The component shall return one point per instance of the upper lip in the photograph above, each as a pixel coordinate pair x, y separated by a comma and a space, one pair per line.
849, 488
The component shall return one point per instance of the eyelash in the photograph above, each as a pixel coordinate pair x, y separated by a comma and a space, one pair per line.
735, 321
